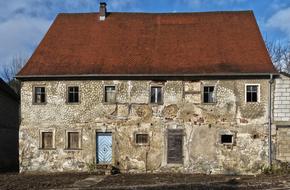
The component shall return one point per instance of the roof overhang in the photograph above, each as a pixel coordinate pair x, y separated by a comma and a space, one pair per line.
148, 76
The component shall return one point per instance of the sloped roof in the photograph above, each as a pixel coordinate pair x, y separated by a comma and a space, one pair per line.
151, 44
5, 88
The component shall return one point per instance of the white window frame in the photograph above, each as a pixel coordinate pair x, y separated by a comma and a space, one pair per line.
258, 93
41, 140
80, 138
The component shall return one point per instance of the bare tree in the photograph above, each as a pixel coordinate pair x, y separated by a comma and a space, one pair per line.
9, 71
279, 54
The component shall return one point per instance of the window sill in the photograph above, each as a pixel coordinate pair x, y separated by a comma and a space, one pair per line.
46, 148
209, 103
73, 103
109, 103
40, 104
156, 104
174, 164
76, 149
142, 144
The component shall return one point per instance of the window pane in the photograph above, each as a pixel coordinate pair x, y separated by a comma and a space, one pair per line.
73, 140
252, 93
226, 139
156, 95
39, 96
159, 98
141, 138
110, 94
47, 140
208, 95
73, 94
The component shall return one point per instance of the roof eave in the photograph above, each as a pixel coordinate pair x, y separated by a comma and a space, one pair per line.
131, 76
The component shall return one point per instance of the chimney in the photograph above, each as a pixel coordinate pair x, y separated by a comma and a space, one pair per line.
103, 11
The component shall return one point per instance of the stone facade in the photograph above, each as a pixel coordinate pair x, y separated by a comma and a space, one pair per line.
9, 124
281, 124
202, 125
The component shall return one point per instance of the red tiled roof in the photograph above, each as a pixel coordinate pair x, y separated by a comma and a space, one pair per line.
148, 43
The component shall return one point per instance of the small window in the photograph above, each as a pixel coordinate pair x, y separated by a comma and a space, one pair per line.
73, 94
142, 138
46, 140
252, 93
110, 94
39, 95
208, 94
227, 139
156, 96
73, 140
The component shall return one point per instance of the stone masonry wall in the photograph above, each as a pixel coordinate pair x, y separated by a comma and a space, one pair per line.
182, 108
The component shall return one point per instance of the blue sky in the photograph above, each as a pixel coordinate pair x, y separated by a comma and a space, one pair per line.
23, 23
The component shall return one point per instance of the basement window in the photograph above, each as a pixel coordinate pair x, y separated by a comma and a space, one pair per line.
73, 94
73, 140
39, 95
156, 95
141, 139
252, 93
208, 94
110, 94
226, 139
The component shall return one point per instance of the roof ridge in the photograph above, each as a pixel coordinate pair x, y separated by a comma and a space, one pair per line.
164, 13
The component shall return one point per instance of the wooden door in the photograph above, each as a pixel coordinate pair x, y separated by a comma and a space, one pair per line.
175, 146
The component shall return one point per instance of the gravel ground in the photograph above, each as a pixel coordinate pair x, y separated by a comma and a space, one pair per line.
15, 181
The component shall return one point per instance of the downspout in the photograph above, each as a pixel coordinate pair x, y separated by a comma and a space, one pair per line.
270, 120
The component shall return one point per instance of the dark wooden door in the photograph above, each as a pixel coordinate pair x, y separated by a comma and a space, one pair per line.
175, 146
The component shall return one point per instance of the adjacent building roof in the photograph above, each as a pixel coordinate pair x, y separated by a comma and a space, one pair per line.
5, 89
151, 44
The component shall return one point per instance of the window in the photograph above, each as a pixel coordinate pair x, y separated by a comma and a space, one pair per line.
73, 140
208, 94
110, 94
252, 93
156, 96
73, 94
46, 139
142, 138
227, 139
39, 95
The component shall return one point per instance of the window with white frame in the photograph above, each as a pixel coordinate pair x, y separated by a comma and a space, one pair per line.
252, 93
156, 95
110, 94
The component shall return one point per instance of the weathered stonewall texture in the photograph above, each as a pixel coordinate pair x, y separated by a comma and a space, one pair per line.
282, 117
9, 124
202, 123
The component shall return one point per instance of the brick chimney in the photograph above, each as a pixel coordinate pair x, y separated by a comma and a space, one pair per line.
103, 11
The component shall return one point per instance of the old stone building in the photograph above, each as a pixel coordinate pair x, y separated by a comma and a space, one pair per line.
9, 125
183, 92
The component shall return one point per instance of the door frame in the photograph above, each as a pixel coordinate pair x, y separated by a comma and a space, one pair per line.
95, 145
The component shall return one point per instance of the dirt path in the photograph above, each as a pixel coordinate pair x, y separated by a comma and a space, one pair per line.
137, 181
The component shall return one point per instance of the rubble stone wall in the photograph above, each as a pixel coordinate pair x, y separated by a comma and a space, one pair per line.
182, 108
